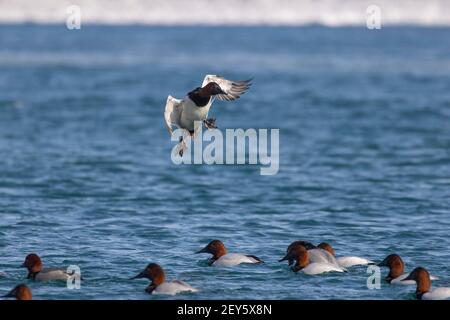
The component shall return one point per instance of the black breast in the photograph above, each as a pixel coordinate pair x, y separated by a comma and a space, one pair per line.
198, 100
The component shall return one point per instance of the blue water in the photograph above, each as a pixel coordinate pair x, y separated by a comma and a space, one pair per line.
86, 176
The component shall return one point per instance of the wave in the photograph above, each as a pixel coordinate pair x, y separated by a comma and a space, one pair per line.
228, 12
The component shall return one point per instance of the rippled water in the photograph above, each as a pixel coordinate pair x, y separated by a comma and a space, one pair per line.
86, 176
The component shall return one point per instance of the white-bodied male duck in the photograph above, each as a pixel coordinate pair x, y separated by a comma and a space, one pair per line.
159, 285
195, 106
221, 257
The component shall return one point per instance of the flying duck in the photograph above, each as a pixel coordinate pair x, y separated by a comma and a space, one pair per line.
195, 106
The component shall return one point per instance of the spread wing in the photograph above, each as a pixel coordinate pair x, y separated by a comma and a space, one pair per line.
172, 113
233, 89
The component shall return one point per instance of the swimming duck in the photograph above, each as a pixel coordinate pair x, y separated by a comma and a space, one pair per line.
20, 292
300, 255
159, 285
347, 261
315, 254
396, 270
423, 289
195, 106
221, 258
36, 271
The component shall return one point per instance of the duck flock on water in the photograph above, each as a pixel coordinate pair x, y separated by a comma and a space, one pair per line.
302, 256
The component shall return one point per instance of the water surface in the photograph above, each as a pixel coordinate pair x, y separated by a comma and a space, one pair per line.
86, 176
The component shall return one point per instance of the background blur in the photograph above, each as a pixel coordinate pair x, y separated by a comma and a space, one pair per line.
85, 170
219, 12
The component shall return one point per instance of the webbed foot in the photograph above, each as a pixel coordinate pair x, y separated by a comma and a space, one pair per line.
210, 123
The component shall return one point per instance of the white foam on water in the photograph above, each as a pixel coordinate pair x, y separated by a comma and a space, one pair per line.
229, 12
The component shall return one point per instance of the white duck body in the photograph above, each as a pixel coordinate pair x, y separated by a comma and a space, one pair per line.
190, 113
399, 279
321, 267
321, 256
348, 261
173, 287
233, 259
437, 294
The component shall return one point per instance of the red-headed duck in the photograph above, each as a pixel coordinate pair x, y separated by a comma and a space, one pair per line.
36, 271
20, 292
346, 261
396, 270
423, 289
195, 106
159, 285
315, 254
300, 255
221, 258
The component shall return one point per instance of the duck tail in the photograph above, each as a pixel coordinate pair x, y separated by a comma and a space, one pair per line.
259, 260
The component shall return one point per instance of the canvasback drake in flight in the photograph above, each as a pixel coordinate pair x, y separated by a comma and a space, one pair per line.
300, 255
20, 292
422, 278
221, 258
159, 285
195, 106
315, 254
36, 271
347, 261
396, 270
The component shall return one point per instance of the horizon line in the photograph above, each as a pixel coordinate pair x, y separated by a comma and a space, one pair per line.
240, 25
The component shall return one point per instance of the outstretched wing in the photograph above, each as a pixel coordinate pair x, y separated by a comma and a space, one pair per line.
233, 89
172, 113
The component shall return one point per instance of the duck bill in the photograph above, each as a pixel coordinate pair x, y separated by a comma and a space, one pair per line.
382, 263
9, 295
139, 276
407, 278
204, 250
286, 257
